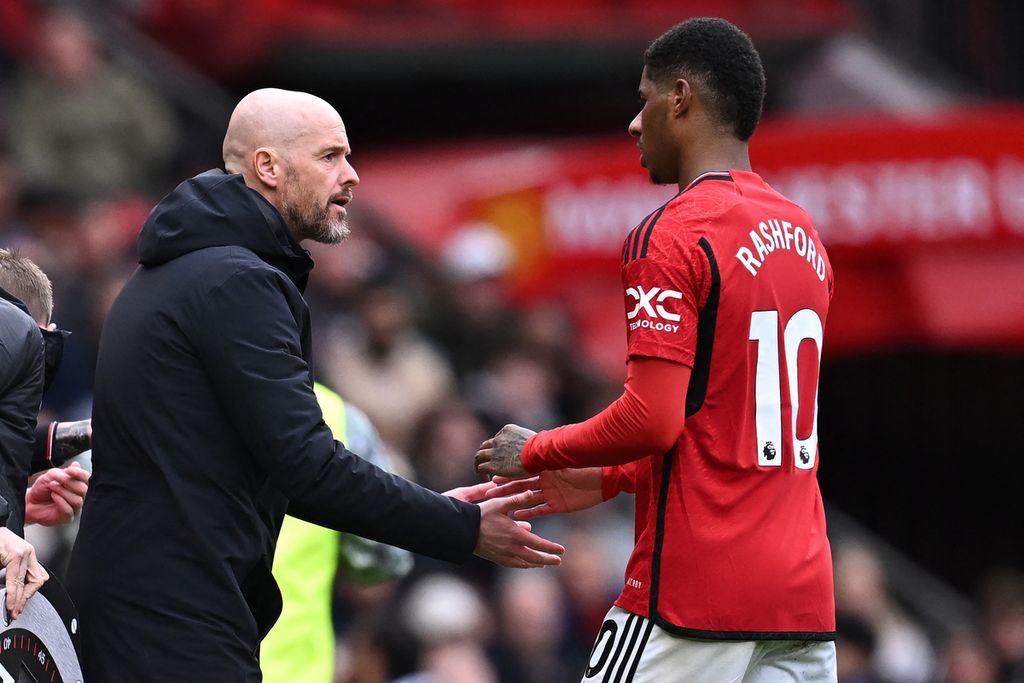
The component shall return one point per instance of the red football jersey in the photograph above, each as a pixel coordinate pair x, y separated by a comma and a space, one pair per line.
730, 278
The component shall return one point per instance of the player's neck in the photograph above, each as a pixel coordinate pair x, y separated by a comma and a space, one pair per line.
725, 155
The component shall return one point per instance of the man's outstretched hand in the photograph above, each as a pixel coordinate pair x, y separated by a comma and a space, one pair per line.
555, 491
502, 453
511, 543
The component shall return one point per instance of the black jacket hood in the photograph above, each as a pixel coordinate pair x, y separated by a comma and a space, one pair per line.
7, 296
217, 209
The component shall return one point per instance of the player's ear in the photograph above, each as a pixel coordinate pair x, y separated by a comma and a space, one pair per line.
682, 97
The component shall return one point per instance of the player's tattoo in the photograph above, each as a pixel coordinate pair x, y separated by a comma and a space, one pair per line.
70, 439
508, 448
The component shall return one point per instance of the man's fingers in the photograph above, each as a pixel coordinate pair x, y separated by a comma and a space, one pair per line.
65, 508
509, 487
36, 577
534, 558
519, 501
482, 463
72, 491
482, 456
524, 525
470, 494
532, 541
16, 572
15, 588
533, 513
76, 472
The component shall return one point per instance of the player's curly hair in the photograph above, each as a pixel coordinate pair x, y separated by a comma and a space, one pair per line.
720, 60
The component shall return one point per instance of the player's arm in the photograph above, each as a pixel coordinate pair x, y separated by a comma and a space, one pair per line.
646, 419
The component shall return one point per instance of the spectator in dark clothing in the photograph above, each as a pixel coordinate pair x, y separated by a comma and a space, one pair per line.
21, 391
57, 494
207, 429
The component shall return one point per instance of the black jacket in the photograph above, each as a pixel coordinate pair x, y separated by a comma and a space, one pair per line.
21, 391
205, 425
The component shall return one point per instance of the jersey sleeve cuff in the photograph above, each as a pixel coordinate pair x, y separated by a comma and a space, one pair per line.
610, 484
529, 458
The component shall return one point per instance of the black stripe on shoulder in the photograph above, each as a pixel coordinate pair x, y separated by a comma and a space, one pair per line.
706, 320
633, 240
650, 229
627, 245
636, 237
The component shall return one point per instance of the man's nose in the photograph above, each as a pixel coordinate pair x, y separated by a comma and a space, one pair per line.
634, 126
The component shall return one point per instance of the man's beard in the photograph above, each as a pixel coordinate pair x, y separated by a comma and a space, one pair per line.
310, 220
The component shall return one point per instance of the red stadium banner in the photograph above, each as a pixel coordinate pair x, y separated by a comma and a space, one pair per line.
923, 218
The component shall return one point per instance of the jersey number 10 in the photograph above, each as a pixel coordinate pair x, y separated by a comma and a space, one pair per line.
764, 329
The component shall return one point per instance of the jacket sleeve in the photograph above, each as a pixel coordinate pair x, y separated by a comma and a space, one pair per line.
249, 339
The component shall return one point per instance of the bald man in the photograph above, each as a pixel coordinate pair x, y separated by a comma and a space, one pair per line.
206, 427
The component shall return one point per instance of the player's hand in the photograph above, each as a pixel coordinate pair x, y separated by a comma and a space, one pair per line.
472, 494
25, 575
556, 490
502, 453
510, 543
56, 495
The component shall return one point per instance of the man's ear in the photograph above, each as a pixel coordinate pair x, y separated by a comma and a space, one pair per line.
267, 166
682, 97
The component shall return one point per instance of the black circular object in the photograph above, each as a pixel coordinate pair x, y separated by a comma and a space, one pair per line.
41, 645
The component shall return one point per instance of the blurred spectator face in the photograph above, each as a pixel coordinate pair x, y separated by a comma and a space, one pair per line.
585, 574
521, 381
8, 190
458, 662
340, 272
387, 316
477, 258
450, 437
968, 660
107, 230
548, 329
531, 604
1003, 609
67, 48
860, 582
1006, 631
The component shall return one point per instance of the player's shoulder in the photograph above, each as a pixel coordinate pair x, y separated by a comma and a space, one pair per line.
676, 228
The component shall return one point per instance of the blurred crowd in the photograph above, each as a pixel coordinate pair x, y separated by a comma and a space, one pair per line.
437, 352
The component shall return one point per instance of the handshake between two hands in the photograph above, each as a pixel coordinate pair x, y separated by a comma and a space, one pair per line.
512, 496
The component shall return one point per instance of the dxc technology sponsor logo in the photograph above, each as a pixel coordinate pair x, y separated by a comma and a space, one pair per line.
651, 302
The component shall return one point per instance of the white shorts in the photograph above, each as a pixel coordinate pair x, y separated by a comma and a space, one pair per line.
632, 649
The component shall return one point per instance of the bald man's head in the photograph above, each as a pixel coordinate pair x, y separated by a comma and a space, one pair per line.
272, 118
292, 148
